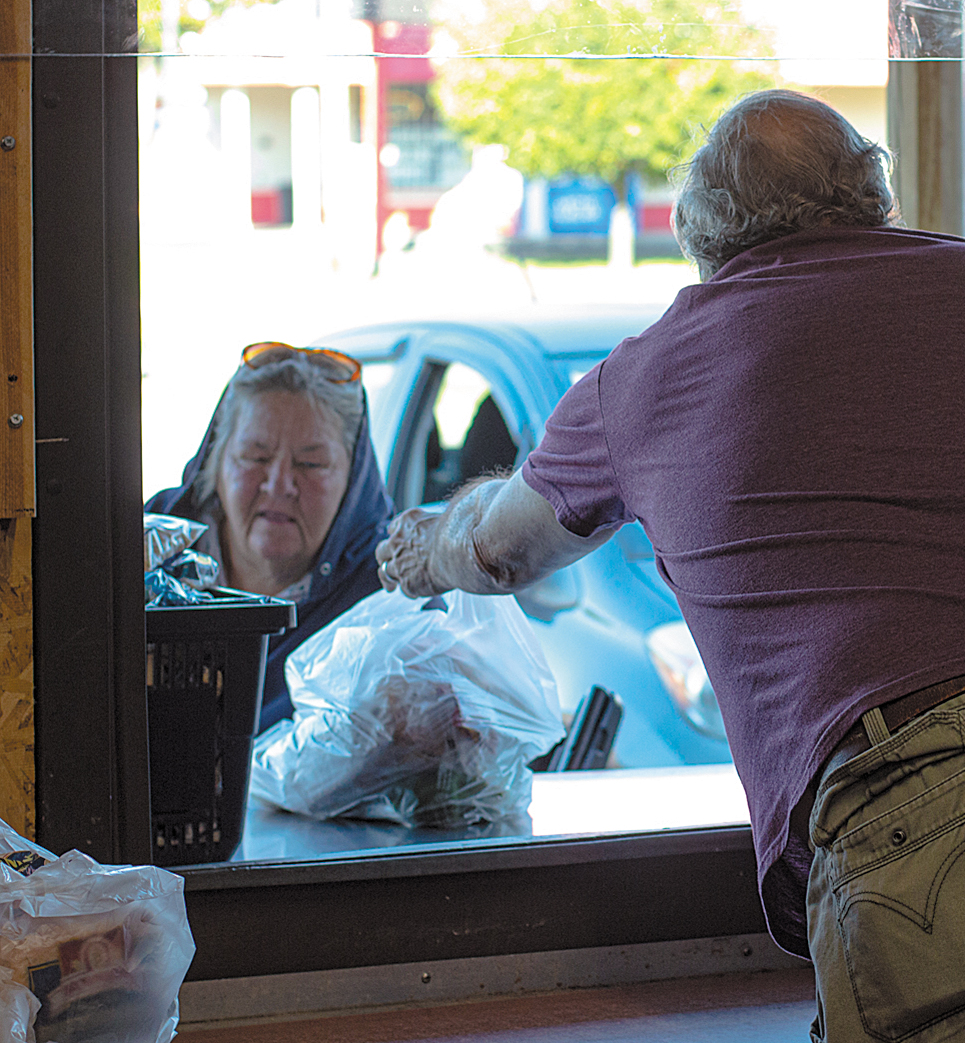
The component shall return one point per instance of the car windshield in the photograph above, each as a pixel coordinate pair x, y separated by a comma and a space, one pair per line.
310, 169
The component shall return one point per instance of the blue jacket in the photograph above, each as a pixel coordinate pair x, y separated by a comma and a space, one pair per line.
346, 570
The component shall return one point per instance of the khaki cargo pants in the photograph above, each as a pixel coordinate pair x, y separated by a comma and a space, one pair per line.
886, 894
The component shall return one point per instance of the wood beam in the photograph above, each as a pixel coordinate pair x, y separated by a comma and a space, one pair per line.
17, 801
17, 495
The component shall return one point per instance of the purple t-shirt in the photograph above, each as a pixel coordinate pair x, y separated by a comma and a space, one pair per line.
791, 434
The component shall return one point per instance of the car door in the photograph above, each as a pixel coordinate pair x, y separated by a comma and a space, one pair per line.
465, 417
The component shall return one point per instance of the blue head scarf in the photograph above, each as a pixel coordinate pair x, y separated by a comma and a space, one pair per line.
344, 572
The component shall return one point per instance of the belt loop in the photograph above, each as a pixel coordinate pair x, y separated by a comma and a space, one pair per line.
875, 727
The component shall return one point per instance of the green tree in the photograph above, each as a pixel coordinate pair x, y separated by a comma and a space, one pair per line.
636, 111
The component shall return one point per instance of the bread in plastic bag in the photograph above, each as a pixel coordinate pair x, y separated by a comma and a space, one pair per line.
424, 713
103, 949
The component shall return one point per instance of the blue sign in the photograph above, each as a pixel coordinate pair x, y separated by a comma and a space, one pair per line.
581, 207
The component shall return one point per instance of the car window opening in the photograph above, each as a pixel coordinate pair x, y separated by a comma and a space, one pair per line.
467, 436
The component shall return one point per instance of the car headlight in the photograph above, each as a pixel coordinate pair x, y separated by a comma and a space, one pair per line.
678, 663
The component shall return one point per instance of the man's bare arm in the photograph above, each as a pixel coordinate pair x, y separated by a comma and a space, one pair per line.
496, 536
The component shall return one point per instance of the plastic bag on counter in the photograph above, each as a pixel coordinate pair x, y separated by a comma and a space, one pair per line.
102, 949
416, 712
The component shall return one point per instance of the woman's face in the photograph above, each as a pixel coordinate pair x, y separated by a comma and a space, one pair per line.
283, 476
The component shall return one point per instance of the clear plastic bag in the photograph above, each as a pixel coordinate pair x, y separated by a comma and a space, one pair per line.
102, 949
193, 569
421, 713
18, 1009
174, 574
165, 536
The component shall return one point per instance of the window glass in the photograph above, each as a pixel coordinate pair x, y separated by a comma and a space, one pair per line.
310, 168
430, 157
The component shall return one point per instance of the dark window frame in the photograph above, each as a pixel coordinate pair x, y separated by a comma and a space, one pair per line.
91, 715
93, 789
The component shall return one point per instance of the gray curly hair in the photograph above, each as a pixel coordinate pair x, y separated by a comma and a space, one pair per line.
296, 375
776, 163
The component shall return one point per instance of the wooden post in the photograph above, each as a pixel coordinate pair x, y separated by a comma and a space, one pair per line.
16, 285
17, 806
925, 133
17, 495
925, 130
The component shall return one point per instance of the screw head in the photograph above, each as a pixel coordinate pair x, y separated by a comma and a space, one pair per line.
15, 420
426, 978
7, 142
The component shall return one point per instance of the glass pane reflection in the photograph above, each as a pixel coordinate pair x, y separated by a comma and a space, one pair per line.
302, 172
564, 804
748, 29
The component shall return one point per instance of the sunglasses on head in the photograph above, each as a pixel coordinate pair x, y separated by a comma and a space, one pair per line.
339, 368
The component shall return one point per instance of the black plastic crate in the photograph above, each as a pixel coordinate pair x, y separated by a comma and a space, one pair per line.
205, 675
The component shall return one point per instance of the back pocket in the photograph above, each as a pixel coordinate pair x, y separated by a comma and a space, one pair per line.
899, 889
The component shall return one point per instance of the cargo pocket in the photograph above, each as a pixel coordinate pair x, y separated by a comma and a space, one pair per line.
899, 893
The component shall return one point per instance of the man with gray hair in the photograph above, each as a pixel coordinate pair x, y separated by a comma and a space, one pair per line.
790, 435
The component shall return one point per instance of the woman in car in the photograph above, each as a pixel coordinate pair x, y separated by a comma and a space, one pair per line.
287, 483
